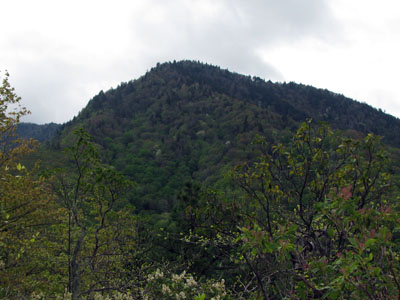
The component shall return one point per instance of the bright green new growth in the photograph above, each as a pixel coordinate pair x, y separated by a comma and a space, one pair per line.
96, 232
320, 221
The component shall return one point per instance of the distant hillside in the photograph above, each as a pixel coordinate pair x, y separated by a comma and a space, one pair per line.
186, 120
41, 133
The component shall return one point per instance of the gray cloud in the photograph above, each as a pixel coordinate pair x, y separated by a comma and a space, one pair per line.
56, 78
232, 36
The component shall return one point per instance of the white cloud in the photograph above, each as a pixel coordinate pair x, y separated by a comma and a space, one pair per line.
362, 64
61, 53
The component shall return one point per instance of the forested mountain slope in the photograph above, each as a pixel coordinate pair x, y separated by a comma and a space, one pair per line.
185, 121
41, 133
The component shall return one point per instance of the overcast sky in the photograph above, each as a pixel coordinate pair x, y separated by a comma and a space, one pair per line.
61, 53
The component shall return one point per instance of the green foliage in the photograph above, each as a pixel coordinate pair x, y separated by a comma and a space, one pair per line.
42, 133
319, 221
316, 216
97, 240
26, 208
187, 121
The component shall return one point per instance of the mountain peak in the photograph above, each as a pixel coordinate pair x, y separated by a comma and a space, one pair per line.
187, 120
186, 81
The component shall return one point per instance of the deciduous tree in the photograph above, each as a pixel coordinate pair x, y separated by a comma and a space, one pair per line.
318, 219
27, 208
97, 236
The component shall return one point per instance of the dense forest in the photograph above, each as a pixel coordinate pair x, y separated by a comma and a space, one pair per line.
40, 133
186, 121
193, 182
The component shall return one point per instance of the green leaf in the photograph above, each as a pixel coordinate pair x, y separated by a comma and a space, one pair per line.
353, 242
331, 231
200, 297
370, 256
370, 243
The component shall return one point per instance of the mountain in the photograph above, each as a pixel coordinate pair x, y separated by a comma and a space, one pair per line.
189, 121
41, 133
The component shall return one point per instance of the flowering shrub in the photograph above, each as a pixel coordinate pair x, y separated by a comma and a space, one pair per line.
183, 286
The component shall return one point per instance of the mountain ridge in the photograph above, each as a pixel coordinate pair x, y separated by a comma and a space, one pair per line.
313, 105
188, 121
281, 96
39, 132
